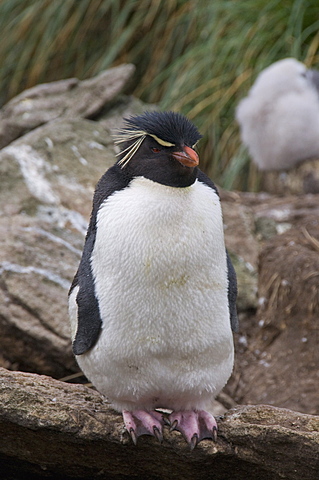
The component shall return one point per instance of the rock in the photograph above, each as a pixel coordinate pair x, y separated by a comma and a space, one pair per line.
247, 280
56, 165
47, 183
243, 247
277, 351
37, 263
239, 226
286, 345
304, 178
50, 429
277, 345
70, 98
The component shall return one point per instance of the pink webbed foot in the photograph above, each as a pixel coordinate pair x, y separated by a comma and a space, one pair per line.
194, 425
140, 422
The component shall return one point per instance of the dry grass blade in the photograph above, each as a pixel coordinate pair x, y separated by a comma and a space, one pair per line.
312, 240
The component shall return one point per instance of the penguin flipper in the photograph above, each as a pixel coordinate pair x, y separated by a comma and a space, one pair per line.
232, 294
89, 321
88, 315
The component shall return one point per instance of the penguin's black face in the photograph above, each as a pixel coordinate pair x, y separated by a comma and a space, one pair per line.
161, 148
173, 166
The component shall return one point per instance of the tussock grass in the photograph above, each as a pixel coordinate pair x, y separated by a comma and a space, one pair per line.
196, 57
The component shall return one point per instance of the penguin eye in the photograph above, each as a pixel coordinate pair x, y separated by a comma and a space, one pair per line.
155, 150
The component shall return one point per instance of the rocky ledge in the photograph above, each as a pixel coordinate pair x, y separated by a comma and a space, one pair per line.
50, 429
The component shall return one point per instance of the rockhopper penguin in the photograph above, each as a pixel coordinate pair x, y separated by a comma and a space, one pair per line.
152, 305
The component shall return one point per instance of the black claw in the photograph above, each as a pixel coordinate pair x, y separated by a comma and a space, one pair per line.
173, 426
166, 421
158, 434
133, 436
194, 441
214, 433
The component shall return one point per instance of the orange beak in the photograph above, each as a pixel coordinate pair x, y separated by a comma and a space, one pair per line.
187, 157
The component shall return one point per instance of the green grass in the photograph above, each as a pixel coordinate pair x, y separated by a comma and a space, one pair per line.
196, 57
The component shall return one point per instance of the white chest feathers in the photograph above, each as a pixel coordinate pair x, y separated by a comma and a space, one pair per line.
160, 273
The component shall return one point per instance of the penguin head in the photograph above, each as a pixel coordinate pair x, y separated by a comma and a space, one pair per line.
159, 146
281, 78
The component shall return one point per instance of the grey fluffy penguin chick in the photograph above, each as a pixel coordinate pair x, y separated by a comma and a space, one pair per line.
279, 118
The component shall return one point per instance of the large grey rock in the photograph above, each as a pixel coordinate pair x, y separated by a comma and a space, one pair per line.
70, 98
47, 182
56, 165
36, 266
